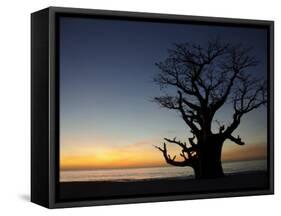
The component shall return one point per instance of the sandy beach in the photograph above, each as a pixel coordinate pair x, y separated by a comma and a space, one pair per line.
110, 189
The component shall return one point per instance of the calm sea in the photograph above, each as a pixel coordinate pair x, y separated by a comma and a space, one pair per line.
155, 172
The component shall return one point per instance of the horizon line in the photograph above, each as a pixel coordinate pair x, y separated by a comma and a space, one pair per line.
141, 167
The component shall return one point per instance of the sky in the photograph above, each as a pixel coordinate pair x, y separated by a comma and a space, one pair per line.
107, 119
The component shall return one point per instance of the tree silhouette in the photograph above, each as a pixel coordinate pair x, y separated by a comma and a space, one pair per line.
206, 78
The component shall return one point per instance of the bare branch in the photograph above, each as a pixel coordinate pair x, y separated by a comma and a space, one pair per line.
167, 102
236, 140
188, 121
185, 149
191, 141
250, 95
172, 161
238, 60
181, 144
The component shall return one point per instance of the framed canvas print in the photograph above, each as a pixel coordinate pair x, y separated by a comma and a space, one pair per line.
138, 107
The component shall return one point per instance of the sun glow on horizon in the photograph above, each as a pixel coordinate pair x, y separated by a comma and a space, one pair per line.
143, 154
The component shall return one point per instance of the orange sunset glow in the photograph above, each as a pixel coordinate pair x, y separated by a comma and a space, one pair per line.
142, 154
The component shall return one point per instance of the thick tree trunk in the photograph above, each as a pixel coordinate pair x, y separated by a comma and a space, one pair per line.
209, 163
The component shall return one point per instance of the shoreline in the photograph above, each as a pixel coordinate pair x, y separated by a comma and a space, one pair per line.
103, 189
188, 177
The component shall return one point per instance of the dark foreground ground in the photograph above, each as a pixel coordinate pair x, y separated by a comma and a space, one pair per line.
103, 190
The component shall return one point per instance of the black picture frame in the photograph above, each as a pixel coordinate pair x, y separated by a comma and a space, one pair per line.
45, 104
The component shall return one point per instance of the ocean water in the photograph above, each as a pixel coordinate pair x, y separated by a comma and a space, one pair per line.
133, 174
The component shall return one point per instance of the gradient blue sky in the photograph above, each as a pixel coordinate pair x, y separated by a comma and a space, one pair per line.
106, 84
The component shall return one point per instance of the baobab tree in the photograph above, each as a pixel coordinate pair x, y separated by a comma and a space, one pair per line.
203, 79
